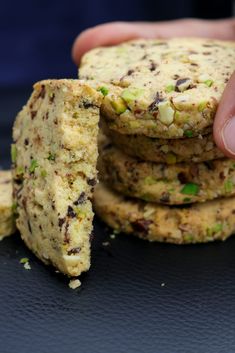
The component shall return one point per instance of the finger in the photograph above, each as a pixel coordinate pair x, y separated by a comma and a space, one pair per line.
117, 32
224, 125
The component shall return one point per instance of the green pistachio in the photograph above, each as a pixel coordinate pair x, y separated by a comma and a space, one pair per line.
187, 199
209, 83
51, 156
104, 90
190, 189
228, 186
171, 158
33, 166
202, 106
170, 88
43, 173
119, 105
131, 94
24, 260
188, 133
149, 180
13, 153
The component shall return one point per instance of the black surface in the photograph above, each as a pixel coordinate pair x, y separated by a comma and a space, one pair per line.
122, 306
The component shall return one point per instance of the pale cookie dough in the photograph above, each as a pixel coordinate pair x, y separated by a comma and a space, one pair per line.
54, 167
199, 223
166, 88
195, 149
7, 221
168, 184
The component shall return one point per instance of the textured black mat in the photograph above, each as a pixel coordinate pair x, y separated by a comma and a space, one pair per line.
137, 298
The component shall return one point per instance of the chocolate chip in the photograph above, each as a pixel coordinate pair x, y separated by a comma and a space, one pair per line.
153, 66
91, 182
182, 177
157, 99
209, 165
74, 251
33, 114
66, 234
26, 142
42, 92
61, 221
80, 200
52, 97
165, 197
29, 226
130, 72
71, 213
141, 225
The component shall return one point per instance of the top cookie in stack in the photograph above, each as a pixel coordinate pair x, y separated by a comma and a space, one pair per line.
160, 99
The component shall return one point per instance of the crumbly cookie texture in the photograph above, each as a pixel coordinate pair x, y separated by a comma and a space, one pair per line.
161, 88
198, 223
54, 169
176, 184
7, 221
195, 149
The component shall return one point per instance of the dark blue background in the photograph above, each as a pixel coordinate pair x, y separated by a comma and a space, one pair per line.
36, 36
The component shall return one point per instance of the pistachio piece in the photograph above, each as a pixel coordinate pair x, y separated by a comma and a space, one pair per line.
190, 189
13, 153
104, 90
171, 158
166, 113
118, 105
131, 94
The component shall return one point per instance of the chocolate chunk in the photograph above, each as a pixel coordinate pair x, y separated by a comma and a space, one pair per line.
153, 66
29, 226
182, 177
61, 221
26, 142
91, 182
52, 97
74, 251
130, 72
165, 197
80, 200
141, 225
42, 92
153, 105
71, 213
33, 114
209, 165
66, 234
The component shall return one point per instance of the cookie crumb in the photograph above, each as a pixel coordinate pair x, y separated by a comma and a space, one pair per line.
105, 243
112, 236
163, 284
25, 261
74, 283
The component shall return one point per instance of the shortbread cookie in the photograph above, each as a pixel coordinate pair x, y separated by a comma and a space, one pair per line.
7, 221
54, 168
176, 184
199, 223
167, 151
161, 88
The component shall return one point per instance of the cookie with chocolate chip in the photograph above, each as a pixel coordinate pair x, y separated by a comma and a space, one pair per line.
176, 184
198, 223
161, 88
194, 149
54, 172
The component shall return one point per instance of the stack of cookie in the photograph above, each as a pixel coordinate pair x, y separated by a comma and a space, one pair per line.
169, 181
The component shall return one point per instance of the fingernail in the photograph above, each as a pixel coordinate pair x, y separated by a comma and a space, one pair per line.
228, 135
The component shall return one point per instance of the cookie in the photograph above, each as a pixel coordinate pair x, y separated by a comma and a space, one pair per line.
161, 88
198, 223
7, 221
54, 167
167, 151
176, 184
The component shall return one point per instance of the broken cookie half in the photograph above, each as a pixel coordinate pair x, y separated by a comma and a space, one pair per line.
54, 172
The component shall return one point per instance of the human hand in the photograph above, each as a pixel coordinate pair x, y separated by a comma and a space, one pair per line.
117, 32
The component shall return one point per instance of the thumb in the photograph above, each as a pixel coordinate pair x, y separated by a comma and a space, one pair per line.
224, 125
